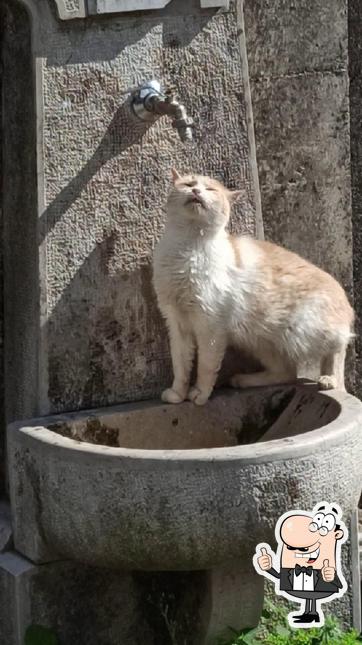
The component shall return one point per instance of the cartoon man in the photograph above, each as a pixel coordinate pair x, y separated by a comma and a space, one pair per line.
309, 556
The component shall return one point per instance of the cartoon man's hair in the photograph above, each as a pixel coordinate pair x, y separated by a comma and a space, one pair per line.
323, 508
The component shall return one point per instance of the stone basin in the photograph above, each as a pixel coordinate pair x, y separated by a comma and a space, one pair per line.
153, 487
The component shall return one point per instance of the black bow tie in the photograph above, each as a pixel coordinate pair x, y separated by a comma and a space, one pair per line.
299, 569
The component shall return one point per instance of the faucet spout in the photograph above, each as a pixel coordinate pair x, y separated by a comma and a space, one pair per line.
149, 102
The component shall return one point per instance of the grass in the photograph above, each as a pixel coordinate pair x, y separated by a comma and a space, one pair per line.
274, 630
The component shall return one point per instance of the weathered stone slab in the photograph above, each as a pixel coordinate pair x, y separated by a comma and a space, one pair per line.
102, 181
304, 167
355, 97
274, 48
111, 6
70, 9
80, 604
91, 606
12, 621
298, 66
6, 533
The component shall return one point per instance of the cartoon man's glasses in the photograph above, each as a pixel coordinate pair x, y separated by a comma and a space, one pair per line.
322, 523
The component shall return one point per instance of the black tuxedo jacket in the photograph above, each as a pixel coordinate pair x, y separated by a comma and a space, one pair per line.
286, 581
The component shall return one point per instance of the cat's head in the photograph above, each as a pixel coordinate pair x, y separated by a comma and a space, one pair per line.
200, 200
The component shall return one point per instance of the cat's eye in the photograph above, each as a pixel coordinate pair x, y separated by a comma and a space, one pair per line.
209, 188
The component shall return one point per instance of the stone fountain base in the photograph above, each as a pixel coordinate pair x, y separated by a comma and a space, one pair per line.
137, 524
86, 605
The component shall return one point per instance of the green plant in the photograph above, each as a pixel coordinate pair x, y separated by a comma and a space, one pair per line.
38, 635
273, 629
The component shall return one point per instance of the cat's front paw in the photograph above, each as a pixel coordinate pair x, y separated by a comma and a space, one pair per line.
171, 396
197, 396
327, 382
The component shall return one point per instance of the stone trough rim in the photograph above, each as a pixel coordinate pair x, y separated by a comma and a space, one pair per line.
331, 434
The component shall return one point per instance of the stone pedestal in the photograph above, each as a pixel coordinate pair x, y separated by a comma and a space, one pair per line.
234, 599
186, 509
80, 604
90, 606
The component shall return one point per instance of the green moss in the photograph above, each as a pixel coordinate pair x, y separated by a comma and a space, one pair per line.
38, 635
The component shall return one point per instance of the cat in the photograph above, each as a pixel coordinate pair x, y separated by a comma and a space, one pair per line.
217, 290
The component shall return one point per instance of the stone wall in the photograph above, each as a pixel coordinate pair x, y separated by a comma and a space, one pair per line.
82, 327
355, 98
298, 66
19, 289
2, 416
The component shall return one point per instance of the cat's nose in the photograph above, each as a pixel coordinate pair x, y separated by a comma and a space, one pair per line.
196, 191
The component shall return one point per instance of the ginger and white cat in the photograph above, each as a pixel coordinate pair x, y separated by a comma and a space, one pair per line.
217, 290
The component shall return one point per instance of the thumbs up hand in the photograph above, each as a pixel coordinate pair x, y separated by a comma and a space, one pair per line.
264, 560
328, 572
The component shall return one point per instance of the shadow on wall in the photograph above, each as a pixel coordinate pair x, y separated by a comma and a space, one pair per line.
106, 336
105, 327
123, 132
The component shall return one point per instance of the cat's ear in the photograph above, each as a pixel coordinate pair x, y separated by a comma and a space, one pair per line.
235, 195
175, 175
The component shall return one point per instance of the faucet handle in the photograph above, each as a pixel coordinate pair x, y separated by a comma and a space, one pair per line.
150, 101
184, 125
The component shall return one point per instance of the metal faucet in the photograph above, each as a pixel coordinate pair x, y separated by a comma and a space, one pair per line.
149, 102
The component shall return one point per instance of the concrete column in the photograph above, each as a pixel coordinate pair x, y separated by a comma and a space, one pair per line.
80, 604
298, 64
234, 600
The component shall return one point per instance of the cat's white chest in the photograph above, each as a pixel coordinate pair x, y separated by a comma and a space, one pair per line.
191, 277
